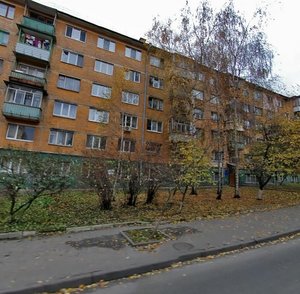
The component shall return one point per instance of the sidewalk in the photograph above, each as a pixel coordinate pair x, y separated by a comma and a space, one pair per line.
46, 264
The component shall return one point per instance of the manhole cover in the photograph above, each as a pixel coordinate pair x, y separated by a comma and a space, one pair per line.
183, 246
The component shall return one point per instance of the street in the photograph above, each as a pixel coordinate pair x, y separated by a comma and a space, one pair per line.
273, 269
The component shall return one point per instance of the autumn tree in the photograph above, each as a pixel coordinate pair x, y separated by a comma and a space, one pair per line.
189, 167
276, 152
225, 42
27, 176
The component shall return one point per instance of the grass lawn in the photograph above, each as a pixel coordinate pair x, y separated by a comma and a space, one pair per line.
82, 208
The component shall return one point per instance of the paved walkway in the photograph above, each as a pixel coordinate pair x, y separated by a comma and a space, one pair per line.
46, 264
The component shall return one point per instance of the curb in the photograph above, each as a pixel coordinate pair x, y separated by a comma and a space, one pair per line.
17, 235
25, 234
94, 277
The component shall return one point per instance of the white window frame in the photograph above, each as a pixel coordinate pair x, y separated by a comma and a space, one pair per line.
104, 67
156, 82
214, 116
99, 116
97, 142
130, 98
68, 56
66, 135
67, 110
16, 132
155, 103
133, 76
154, 126
101, 91
155, 61
215, 100
129, 121
31, 70
198, 113
250, 179
64, 82
133, 53
106, 44
19, 95
126, 145
76, 34
7, 11
198, 94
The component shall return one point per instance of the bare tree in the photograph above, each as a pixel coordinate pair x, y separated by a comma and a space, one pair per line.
225, 42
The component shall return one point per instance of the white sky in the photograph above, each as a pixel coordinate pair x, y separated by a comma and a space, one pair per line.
133, 18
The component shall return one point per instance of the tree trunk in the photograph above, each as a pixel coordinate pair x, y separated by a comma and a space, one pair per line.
194, 191
259, 195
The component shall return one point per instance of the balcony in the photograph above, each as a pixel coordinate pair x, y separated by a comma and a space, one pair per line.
180, 137
38, 26
240, 145
26, 78
297, 108
20, 111
31, 51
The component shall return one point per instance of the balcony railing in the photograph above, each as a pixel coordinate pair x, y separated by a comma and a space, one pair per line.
38, 26
180, 137
22, 111
18, 75
297, 108
32, 51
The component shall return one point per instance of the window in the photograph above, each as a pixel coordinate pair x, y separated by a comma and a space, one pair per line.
7, 10
31, 70
215, 100
153, 147
130, 98
246, 107
101, 91
24, 96
180, 127
96, 142
198, 94
214, 135
199, 76
250, 179
104, 67
133, 53
247, 124
75, 34
214, 116
154, 126
64, 109
68, 83
128, 120
257, 110
155, 103
155, 61
257, 95
198, 113
20, 132
278, 103
126, 145
106, 44
155, 82
98, 115
1, 65
246, 93
72, 58
4, 36
133, 76
217, 155
61, 137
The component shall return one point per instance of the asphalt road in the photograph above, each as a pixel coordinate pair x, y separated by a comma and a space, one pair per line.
274, 269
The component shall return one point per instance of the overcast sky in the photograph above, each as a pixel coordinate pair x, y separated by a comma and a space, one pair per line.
134, 18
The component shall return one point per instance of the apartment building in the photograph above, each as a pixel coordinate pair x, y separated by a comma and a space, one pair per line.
71, 87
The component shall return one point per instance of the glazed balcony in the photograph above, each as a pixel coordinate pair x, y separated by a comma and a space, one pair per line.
17, 75
13, 110
180, 137
31, 51
296, 109
38, 26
